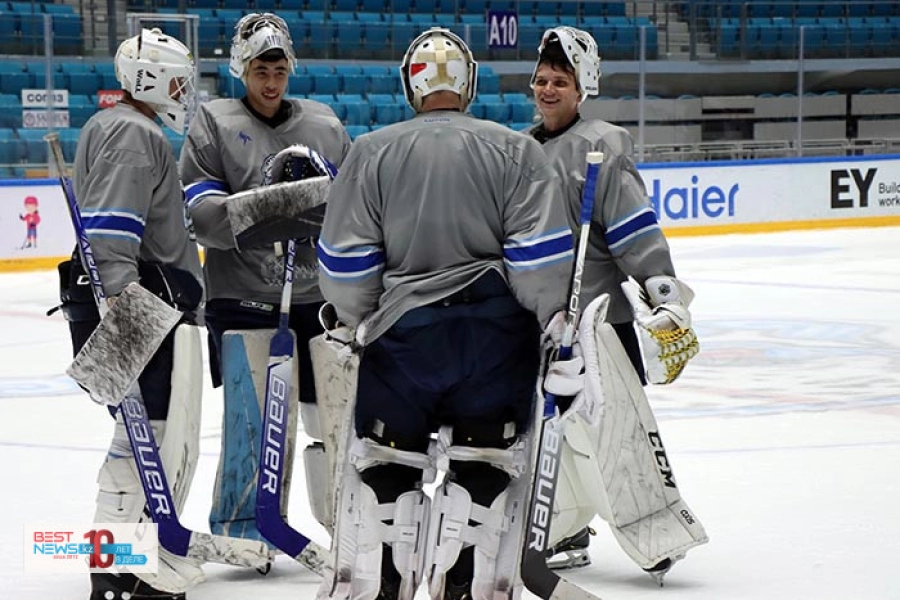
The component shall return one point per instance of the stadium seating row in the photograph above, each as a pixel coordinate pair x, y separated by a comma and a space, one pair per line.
779, 38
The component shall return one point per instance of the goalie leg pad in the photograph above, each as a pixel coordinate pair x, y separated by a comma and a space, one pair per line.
486, 533
336, 372
245, 356
368, 524
623, 469
120, 498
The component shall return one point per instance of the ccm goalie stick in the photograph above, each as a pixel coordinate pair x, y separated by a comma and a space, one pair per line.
536, 576
173, 536
269, 520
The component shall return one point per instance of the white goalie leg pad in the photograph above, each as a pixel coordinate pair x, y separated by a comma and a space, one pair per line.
623, 467
500, 528
335, 368
363, 528
121, 499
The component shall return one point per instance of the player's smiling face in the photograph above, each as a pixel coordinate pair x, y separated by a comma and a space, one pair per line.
556, 95
267, 84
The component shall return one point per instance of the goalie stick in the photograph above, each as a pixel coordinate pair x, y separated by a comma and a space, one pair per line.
173, 536
269, 520
536, 576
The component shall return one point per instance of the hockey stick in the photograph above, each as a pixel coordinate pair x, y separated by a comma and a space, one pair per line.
173, 536
537, 577
269, 521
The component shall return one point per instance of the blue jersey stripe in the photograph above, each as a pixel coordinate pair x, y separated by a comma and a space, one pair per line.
113, 223
199, 190
640, 222
360, 261
537, 249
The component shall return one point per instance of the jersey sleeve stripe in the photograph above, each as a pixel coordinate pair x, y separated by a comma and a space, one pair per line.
535, 251
626, 230
111, 223
350, 263
195, 192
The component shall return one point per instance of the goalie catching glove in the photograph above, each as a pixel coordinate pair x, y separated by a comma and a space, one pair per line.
664, 325
298, 162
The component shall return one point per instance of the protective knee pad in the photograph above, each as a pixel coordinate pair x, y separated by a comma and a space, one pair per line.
495, 532
365, 526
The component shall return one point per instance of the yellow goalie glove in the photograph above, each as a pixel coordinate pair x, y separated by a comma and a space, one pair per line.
664, 325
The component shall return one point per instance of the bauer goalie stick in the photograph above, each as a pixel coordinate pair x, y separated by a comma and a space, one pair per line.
536, 575
173, 536
269, 521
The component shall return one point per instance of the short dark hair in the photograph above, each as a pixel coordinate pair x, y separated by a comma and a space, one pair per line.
272, 55
554, 56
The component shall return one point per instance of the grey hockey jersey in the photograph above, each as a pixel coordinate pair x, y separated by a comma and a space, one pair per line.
127, 186
423, 208
225, 152
625, 235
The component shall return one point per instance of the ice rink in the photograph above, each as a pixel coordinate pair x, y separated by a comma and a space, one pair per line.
784, 432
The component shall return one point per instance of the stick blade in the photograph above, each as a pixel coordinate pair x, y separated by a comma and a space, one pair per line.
123, 343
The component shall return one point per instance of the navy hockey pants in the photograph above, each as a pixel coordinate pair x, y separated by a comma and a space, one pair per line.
457, 364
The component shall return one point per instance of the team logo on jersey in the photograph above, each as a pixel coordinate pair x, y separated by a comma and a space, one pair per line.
244, 138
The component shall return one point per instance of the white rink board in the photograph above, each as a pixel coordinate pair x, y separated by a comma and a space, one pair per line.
777, 194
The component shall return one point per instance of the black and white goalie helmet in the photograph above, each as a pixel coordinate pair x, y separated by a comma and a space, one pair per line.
438, 60
256, 34
581, 50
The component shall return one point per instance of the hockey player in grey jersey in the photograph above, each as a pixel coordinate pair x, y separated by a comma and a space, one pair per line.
229, 148
126, 182
625, 240
444, 249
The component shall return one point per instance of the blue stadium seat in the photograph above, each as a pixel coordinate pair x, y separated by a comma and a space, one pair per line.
384, 84
521, 111
300, 84
358, 112
34, 144
354, 131
319, 69
326, 84
488, 83
10, 147
353, 84
68, 140
375, 98
385, 114
378, 37
373, 6
346, 5
14, 83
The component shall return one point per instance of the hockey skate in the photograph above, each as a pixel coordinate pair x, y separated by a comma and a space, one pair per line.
659, 570
571, 552
109, 586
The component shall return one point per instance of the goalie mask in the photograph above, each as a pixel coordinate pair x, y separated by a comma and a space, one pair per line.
438, 60
581, 50
254, 35
158, 70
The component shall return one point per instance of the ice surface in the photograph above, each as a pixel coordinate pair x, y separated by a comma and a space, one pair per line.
784, 432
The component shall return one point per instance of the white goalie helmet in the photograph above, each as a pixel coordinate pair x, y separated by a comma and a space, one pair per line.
158, 70
581, 50
438, 60
254, 35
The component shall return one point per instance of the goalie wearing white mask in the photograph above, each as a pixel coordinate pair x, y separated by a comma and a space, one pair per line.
234, 146
446, 248
628, 258
126, 183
